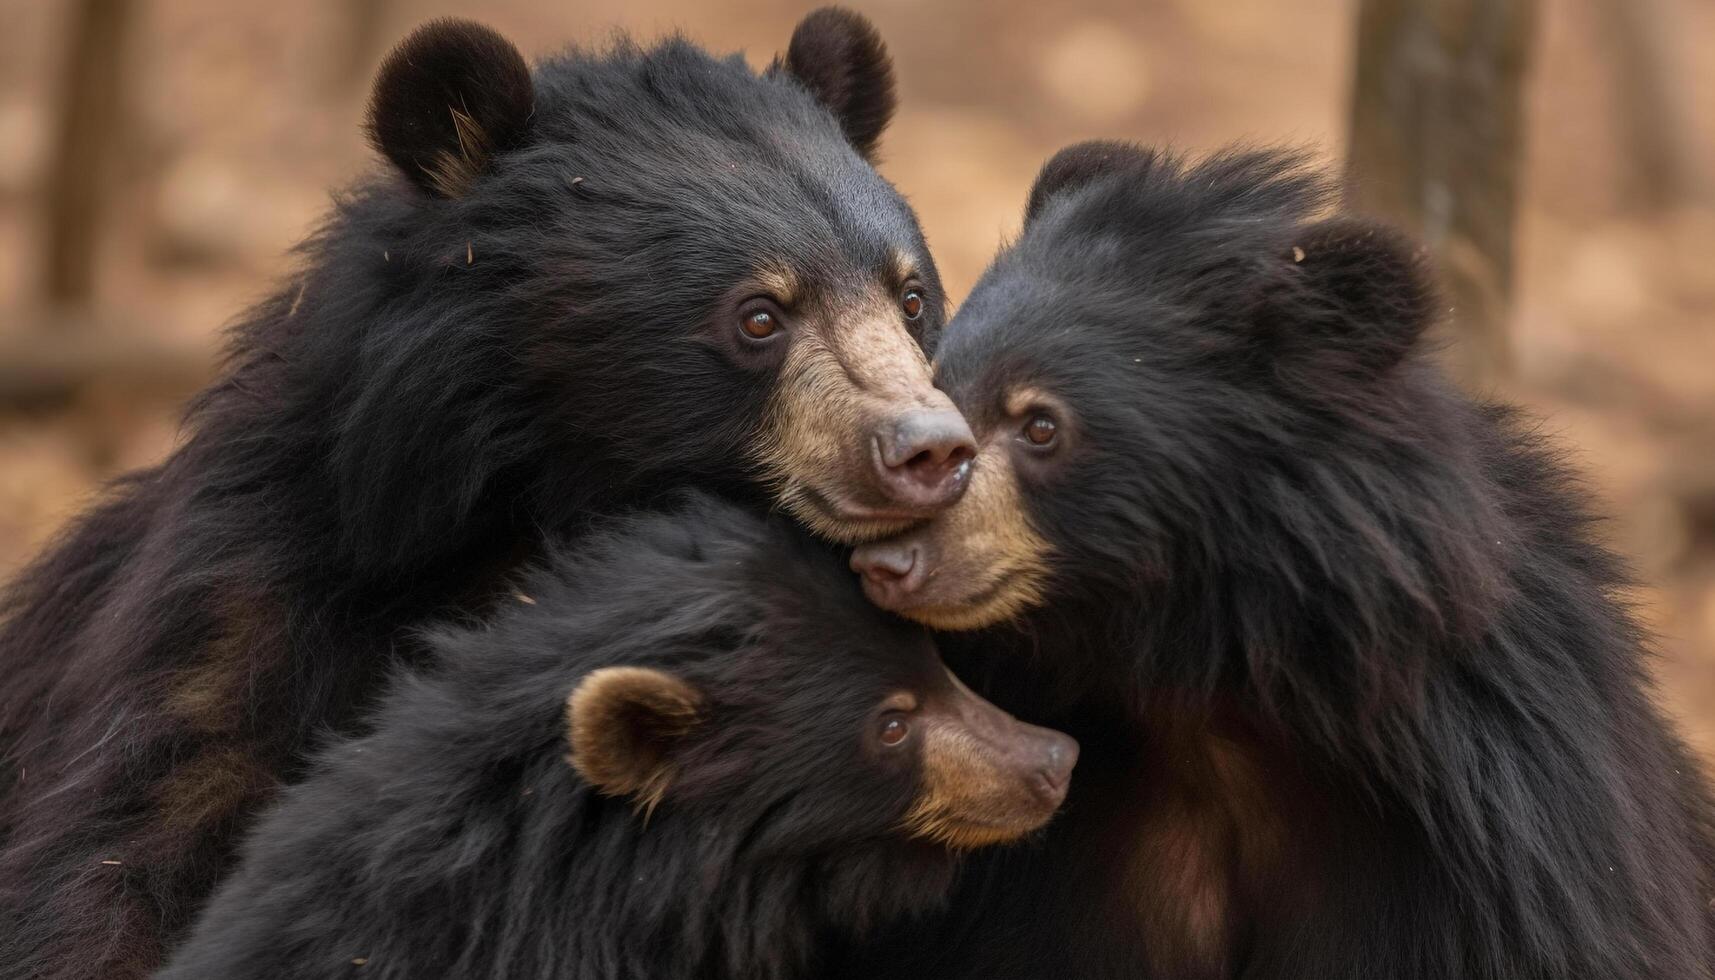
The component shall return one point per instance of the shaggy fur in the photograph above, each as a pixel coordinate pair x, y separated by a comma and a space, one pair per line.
456, 841
1359, 694
450, 380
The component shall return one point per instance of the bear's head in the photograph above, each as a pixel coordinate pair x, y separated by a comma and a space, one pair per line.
1191, 391
624, 270
771, 704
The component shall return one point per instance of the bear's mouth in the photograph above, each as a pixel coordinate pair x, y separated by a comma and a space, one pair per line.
847, 521
978, 564
1005, 593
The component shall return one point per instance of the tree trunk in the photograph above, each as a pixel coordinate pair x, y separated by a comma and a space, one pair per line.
1657, 176
361, 45
1436, 141
88, 124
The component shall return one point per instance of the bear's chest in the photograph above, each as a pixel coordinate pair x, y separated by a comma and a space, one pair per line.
1212, 832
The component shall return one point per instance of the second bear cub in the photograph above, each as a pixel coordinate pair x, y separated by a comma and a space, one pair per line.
758, 759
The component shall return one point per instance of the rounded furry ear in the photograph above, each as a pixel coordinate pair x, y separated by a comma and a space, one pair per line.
837, 55
1366, 289
450, 96
624, 724
1080, 163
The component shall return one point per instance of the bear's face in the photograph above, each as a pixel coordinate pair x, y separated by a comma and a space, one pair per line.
825, 726
1146, 369
689, 271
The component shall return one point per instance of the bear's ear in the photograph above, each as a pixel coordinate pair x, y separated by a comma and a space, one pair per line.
624, 724
837, 55
1364, 290
1080, 163
448, 97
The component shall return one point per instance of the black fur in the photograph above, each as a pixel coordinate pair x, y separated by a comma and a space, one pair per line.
1339, 643
839, 57
456, 841
448, 97
448, 382
1077, 165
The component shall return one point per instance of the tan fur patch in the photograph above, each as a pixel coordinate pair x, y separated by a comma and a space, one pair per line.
1021, 402
211, 695
1211, 823
226, 776
1250, 800
1182, 875
988, 564
956, 780
621, 723
904, 267
213, 786
967, 798
453, 173
780, 284
848, 370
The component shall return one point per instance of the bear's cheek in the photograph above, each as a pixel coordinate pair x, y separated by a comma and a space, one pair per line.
853, 383
988, 562
983, 562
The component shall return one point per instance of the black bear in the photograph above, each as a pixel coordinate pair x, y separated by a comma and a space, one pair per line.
762, 758
576, 287
1357, 695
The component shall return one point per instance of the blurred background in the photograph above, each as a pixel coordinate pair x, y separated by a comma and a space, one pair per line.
158, 159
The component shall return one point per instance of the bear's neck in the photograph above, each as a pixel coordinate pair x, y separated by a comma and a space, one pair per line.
357, 498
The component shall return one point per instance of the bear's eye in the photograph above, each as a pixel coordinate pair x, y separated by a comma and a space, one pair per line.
912, 304
758, 324
1040, 430
893, 729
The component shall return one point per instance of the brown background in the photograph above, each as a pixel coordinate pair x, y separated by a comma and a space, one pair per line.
239, 115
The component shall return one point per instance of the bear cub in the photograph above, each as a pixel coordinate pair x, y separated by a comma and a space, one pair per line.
693, 749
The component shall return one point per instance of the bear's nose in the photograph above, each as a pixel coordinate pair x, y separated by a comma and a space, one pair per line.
923, 458
1060, 754
891, 570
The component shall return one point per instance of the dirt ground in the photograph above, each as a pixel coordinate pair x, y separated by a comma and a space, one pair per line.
241, 115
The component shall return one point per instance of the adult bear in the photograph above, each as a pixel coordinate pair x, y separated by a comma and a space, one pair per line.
760, 760
625, 271
1357, 696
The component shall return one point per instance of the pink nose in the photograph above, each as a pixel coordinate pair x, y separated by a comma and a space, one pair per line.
1059, 753
891, 570
923, 458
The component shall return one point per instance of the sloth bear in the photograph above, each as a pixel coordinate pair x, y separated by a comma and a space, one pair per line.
758, 758
1357, 691
577, 287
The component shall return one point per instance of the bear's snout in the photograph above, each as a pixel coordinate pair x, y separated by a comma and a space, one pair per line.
923, 458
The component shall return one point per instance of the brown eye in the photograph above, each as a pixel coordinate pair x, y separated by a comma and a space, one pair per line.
759, 325
912, 304
1040, 430
893, 730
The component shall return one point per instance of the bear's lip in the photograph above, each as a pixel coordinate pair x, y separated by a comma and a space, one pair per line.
939, 606
842, 511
